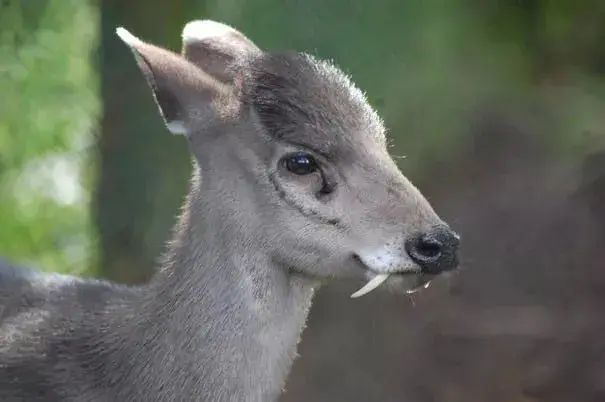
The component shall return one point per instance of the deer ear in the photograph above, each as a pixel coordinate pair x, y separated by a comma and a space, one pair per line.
214, 47
181, 91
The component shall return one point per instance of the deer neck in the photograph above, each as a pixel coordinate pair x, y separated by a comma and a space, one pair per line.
225, 318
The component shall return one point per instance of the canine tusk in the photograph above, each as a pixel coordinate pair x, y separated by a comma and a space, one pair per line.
371, 285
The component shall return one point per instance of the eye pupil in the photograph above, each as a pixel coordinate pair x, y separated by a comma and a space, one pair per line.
301, 164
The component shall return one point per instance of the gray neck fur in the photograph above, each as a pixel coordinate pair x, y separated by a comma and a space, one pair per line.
243, 303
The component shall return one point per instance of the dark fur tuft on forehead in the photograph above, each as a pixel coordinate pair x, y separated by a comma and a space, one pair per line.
308, 101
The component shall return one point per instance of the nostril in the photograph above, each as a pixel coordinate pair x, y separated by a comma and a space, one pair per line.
434, 251
430, 248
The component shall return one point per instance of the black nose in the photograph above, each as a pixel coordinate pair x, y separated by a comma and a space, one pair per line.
435, 251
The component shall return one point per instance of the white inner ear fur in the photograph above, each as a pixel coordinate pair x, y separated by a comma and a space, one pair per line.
127, 37
199, 30
177, 127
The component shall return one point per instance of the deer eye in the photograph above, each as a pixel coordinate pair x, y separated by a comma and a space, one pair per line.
301, 164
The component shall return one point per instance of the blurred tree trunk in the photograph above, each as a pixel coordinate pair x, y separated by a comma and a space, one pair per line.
143, 170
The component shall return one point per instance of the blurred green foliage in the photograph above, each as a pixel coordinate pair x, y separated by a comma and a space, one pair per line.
48, 106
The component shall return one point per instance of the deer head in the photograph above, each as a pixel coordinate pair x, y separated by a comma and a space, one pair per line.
288, 150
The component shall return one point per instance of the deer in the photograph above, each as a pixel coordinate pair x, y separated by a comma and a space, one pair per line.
292, 187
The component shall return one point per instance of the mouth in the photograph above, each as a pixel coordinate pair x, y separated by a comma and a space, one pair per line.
417, 279
420, 282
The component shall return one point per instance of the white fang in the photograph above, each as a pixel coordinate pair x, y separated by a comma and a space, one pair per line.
371, 285
127, 37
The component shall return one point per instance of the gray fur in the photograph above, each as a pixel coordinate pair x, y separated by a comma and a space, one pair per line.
221, 319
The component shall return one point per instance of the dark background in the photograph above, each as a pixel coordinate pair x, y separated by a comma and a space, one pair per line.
497, 105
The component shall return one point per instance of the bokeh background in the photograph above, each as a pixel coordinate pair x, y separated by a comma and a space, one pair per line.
498, 106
